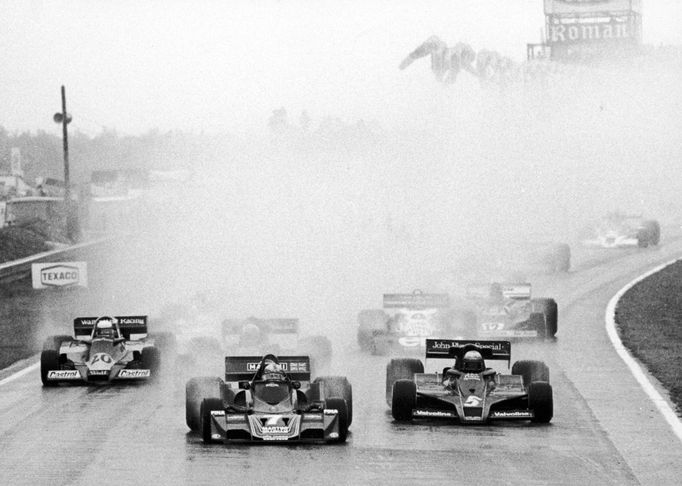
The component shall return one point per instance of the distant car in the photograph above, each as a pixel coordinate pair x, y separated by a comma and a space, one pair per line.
103, 350
468, 391
618, 230
269, 399
274, 335
404, 323
507, 310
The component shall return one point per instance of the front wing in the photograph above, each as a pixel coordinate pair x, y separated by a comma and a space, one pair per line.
318, 426
81, 373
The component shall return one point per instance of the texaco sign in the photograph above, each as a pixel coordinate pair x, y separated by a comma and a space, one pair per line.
59, 274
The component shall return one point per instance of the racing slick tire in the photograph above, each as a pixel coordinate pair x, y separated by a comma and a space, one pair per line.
338, 387
400, 369
55, 342
551, 311
531, 371
195, 390
151, 360
653, 230
404, 400
207, 406
540, 400
49, 361
369, 321
339, 404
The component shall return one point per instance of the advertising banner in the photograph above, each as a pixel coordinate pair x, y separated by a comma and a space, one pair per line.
59, 274
568, 7
590, 32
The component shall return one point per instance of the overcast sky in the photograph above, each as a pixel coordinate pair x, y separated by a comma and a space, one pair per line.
226, 64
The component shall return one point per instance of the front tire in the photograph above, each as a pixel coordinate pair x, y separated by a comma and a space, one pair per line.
49, 361
195, 390
404, 400
400, 369
151, 360
338, 387
540, 400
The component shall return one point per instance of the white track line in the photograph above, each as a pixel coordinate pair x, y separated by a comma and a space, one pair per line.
660, 402
19, 374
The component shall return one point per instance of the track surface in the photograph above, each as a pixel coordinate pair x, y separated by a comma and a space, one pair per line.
605, 430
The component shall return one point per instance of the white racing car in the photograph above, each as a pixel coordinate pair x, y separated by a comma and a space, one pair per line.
619, 230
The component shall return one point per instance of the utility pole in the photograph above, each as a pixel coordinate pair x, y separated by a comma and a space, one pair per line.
64, 118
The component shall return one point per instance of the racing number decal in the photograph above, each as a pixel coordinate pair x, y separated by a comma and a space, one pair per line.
492, 326
104, 358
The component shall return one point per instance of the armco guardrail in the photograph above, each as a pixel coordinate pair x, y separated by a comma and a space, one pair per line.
19, 269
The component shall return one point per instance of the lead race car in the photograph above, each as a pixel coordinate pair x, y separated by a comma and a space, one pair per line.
468, 391
618, 230
404, 323
103, 350
269, 399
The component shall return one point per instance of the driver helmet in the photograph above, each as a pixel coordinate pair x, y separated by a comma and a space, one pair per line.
105, 328
472, 362
273, 372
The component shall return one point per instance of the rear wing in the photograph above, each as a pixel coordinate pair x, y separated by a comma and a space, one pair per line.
454, 348
266, 326
243, 368
135, 326
517, 291
416, 299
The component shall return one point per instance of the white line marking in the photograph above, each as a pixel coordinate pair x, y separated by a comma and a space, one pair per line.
19, 374
660, 402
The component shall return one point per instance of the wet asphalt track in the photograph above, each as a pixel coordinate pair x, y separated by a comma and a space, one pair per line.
605, 430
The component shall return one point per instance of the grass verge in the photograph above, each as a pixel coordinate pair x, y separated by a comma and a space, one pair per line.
649, 320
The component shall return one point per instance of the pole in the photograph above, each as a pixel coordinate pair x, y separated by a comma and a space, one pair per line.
67, 184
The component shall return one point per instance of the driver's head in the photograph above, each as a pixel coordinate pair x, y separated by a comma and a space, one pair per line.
273, 372
472, 362
105, 328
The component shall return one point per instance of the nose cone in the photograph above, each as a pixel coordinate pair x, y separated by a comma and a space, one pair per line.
101, 361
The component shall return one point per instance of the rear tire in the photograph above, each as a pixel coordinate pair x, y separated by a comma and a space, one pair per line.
538, 322
49, 361
654, 231
540, 400
550, 310
404, 400
531, 371
338, 387
400, 369
207, 406
195, 391
339, 404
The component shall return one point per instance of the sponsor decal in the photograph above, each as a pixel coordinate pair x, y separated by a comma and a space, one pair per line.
63, 374
61, 274
217, 413
134, 373
216, 436
275, 437
472, 376
275, 430
98, 372
140, 321
513, 414
587, 32
328, 411
298, 366
433, 413
334, 435
473, 401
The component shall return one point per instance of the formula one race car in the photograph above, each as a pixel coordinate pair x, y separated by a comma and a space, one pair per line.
278, 336
506, 310
618, 230
269, 399
103, 349
414, 317
469, 391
